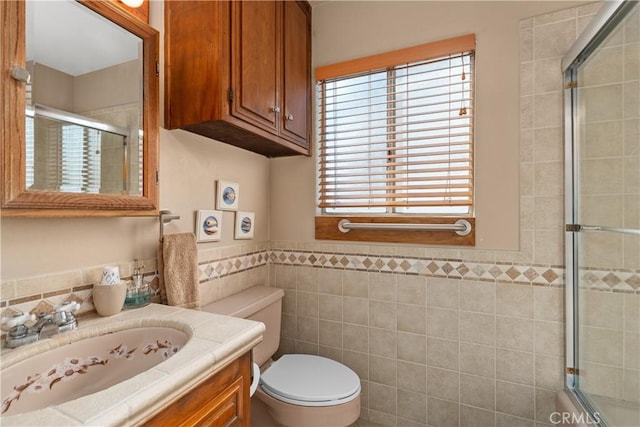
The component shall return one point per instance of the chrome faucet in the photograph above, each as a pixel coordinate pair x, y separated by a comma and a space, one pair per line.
46, 325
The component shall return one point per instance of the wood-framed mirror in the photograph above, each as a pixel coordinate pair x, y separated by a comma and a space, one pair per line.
90, 151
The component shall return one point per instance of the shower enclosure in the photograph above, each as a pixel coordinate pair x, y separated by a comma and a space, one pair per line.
602, 210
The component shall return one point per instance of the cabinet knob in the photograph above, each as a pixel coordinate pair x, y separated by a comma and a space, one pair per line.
20, 74
289, 117
275, 109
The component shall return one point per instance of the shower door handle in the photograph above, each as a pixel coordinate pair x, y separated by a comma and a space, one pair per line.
581, 227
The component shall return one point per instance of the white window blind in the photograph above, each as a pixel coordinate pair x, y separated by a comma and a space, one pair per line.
62, 157
29, 151
398, 139
80, 159
29, 139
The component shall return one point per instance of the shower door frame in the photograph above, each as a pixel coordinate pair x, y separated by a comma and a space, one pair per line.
610, 14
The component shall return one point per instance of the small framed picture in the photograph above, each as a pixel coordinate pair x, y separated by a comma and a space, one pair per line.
227, 196
245, 223
209, 226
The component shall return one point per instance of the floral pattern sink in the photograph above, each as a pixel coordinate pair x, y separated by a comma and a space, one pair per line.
85, 366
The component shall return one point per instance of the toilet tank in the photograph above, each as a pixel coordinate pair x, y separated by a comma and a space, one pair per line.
259, 303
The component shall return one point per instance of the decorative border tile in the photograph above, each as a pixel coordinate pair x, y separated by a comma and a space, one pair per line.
435, 267
217, 268
626, 281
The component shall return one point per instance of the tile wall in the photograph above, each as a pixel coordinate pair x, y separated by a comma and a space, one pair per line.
437, 348
222, 272
127, 116
609, 94
610, 352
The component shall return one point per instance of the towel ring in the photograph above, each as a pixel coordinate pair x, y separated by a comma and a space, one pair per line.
166, 216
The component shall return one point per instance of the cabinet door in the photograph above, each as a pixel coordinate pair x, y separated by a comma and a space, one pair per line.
196, 62
255, 63
296, 72
222, 400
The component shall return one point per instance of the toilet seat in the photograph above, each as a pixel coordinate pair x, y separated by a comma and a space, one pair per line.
307, 380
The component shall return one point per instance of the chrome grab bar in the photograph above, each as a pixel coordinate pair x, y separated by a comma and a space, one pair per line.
462, 227
581, 227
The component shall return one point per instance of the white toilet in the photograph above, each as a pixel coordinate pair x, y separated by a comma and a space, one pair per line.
297, 389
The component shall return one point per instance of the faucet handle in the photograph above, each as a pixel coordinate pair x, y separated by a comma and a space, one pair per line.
63, 316
16, 320
69, 306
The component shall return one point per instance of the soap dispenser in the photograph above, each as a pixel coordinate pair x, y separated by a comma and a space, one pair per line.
138, 293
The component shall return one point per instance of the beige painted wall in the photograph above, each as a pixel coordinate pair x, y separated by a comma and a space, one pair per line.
115, 85
346, 30
110, 86
189, 167
51, 87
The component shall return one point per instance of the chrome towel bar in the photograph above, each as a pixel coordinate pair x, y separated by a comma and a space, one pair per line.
462, 227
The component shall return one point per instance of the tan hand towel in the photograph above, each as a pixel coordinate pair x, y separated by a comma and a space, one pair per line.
178, 270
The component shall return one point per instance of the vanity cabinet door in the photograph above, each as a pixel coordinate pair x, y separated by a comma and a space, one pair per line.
220, 400
296, 93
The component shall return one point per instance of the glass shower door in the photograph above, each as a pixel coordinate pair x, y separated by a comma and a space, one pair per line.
604, 224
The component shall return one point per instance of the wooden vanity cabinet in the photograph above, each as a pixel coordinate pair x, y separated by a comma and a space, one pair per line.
220, 400
240, 72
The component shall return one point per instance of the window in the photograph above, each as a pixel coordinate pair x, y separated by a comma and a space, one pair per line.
62, 157
396, 134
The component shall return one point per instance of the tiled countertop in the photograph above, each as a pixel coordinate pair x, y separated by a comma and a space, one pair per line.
215, 341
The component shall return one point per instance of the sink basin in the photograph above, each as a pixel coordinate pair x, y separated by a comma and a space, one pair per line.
85, 366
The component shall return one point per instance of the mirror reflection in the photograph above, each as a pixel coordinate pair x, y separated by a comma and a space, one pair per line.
84, 102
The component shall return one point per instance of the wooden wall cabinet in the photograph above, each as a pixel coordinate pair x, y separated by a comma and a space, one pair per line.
240, 72
220, 400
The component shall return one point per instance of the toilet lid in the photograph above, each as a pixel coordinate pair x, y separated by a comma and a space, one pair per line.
309, 380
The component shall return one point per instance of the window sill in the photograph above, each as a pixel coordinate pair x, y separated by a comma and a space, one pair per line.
327, 229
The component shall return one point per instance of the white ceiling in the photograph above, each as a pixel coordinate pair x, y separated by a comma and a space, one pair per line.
73, 39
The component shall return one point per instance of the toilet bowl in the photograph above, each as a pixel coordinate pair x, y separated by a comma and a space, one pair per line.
297, 389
